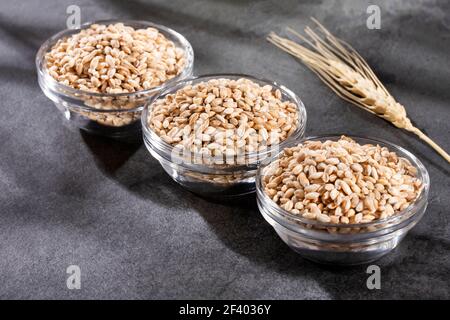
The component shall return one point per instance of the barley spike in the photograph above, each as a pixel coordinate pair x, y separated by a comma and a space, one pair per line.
343, 69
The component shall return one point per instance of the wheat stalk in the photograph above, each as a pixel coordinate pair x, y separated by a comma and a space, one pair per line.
349, 76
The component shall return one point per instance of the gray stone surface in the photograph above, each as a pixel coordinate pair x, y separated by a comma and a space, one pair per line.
70, 198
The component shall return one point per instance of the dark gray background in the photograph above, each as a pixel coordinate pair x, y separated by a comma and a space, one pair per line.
70, 198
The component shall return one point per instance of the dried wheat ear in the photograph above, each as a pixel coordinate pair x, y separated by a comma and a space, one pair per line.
349, 76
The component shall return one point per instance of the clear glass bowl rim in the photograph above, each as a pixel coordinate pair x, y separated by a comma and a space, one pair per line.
166, 149
61, 88
286, 218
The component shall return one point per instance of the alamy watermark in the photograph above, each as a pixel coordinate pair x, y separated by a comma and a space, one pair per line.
74, 19
374, 280
232, 147
374, 19
74, 279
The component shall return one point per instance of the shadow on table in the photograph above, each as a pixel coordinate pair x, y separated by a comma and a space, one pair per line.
239, 226
134, 169
110, 154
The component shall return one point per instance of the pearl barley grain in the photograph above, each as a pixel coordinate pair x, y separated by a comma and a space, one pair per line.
369, 182
224, 118
114, 58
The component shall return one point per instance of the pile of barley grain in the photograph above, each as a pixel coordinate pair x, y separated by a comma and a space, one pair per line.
114, 59
341, 181
224, 117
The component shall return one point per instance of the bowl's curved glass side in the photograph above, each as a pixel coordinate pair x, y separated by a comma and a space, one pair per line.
179, 40
249, 159
344, 244
349, 250
105, 114
235, 178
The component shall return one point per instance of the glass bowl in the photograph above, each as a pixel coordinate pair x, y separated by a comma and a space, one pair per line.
216, 180
344, 244
114, 115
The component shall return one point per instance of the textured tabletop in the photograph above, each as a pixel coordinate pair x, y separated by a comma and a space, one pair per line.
69, 198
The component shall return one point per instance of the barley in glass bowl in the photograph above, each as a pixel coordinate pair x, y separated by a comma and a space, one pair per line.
211, 141
337, 237
114, 108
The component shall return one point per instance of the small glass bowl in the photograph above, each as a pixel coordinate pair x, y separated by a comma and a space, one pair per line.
114, 115
341, 244
216, 180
